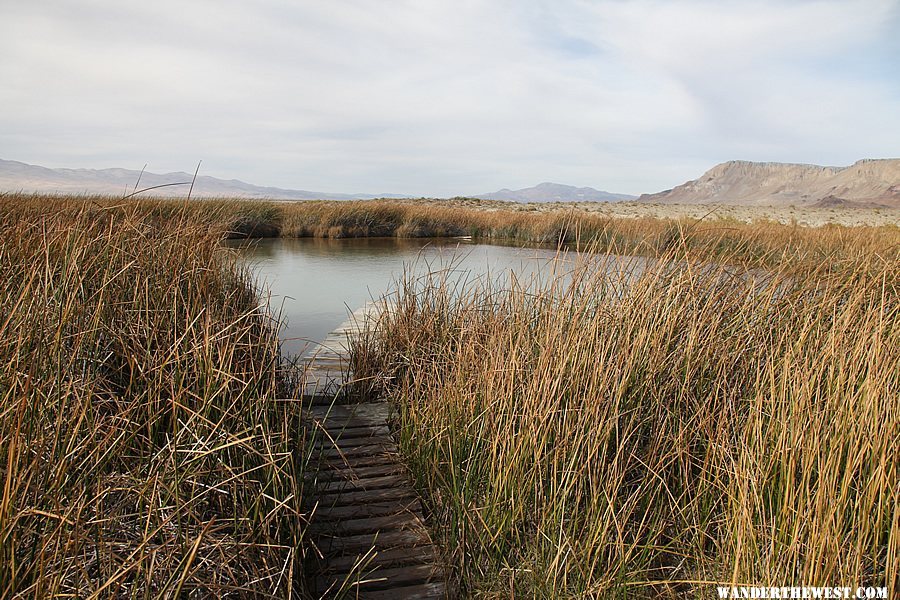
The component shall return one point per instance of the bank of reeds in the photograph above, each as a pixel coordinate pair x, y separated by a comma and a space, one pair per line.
652, 435
142, 453
763, 243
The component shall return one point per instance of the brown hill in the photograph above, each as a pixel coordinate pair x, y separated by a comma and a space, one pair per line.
867, 183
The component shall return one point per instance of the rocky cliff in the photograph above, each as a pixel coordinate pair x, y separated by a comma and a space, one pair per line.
866, 183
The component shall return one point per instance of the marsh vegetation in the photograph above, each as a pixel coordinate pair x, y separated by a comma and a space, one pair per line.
142, 454
729, 416
646, 435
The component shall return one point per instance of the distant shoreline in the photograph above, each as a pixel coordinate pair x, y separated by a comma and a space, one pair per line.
786, 215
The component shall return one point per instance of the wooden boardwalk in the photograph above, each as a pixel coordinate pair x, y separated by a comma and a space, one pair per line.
367, 526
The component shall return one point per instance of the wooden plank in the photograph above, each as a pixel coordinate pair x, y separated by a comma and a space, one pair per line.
354, 436
368, 410
366, 497
353, 427
338, 424
385, 577
347, 433
371, 483
343, 463
343, 443
343, 452
398, 522
340, 418
353, 473
364, 541
384, 558
425, 591
315, 371
327, 369
380, 579
371, 509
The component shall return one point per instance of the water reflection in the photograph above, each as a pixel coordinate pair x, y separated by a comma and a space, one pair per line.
315, 283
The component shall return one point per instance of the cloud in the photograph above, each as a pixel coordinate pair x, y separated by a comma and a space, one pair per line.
763, 76
443, 98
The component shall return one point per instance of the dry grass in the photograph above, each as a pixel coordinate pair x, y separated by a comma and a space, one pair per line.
762, 242
759, 243
648, 435
585, 435
142, 454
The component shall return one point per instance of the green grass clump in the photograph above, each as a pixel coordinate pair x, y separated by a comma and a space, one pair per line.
611, 433
142, 452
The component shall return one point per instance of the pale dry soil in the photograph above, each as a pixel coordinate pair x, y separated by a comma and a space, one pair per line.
808, 216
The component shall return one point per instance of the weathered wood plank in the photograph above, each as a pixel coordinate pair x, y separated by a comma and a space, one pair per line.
349, 423
372, 509
380, 579
371, 483
366, 497
425, 591
399, 521
339, 463
364, 541
381, 558
352, 474
347, 453
345, 432
379, 412
342, 442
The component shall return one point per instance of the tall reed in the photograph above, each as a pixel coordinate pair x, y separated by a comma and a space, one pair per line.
142, 452
618, 432
760, 243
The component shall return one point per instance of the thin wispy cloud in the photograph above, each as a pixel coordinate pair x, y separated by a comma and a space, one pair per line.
445, 98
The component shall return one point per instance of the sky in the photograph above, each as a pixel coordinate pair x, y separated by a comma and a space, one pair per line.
445, 98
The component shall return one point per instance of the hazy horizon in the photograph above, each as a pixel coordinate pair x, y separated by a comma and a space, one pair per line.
444, 99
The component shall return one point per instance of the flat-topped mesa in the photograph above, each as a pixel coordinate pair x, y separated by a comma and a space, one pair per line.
867, 183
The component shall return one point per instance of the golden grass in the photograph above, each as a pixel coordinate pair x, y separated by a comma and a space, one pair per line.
142, 454
615, 436
647, 435
762, 242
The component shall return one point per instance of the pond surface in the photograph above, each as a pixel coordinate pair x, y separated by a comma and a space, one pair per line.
316, 283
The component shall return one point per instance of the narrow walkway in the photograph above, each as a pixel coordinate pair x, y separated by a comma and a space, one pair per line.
367, 525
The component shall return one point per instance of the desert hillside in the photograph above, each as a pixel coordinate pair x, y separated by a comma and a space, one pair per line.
867, 183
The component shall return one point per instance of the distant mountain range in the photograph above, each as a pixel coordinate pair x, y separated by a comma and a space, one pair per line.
555, 192
868, 183
16, 176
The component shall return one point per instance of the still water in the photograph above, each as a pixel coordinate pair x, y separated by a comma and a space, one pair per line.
316, 283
